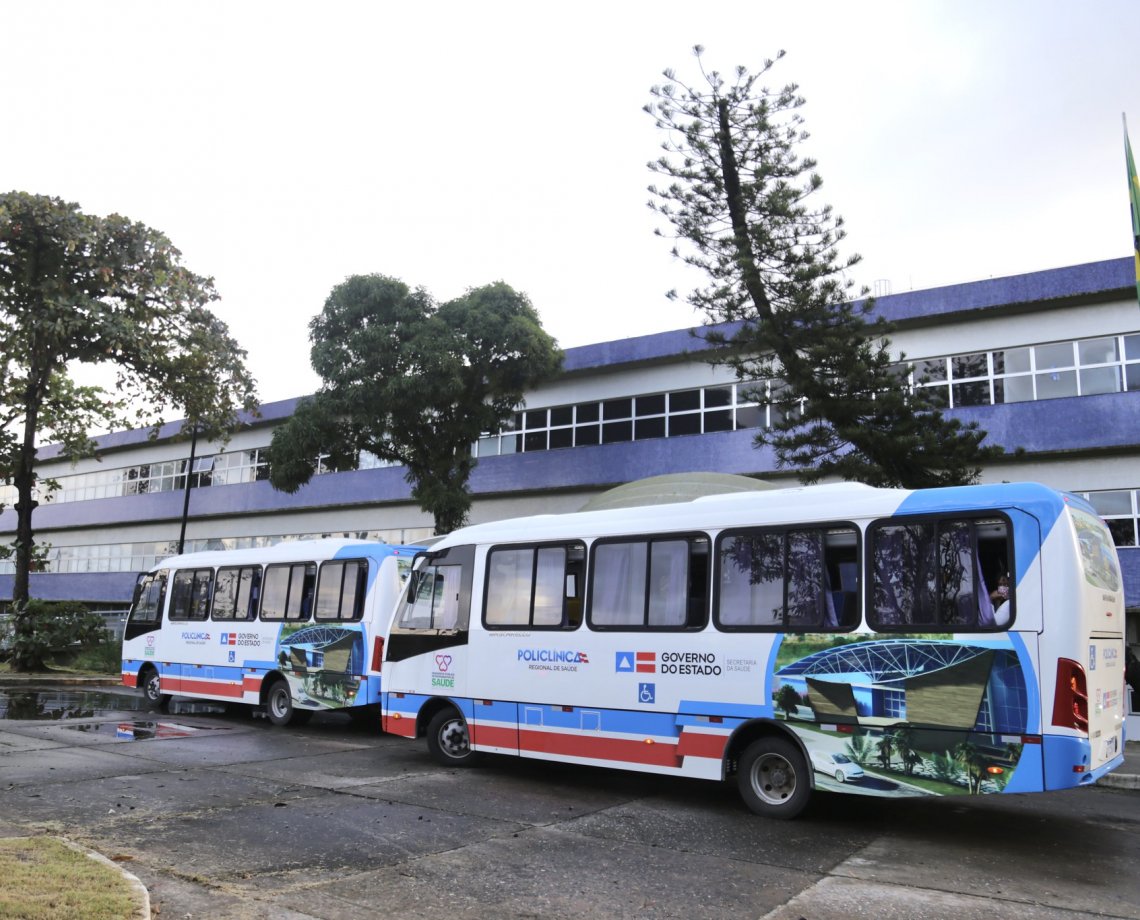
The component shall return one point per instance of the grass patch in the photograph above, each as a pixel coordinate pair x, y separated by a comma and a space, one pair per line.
44, 879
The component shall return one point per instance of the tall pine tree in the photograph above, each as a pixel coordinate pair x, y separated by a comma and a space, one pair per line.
742, 204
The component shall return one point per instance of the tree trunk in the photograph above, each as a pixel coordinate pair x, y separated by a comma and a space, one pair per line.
24, 480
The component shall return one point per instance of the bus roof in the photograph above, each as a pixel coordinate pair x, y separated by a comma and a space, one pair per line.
289, 551
831, 502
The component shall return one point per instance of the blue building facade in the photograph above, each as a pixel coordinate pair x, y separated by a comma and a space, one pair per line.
1047, 363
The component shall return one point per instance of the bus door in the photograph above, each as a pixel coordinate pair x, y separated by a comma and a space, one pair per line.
142, 633
426, 651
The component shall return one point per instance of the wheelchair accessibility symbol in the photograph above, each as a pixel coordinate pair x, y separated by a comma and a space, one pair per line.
646, 693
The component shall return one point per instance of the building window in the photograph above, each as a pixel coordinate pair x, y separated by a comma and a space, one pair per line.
1082, 367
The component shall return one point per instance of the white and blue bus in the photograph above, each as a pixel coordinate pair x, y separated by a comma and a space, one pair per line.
841, 637
295, 627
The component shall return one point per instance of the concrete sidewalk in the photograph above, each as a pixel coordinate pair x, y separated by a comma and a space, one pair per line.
1126, 776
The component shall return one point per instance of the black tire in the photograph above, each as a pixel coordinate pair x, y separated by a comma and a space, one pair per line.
151, 685
279, 707
448, 740
773, 778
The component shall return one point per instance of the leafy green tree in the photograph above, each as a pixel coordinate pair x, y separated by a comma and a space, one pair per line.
788, 699
742, 205
973, 764
413, 382
860, 749
81, 290
886, 747
904, 744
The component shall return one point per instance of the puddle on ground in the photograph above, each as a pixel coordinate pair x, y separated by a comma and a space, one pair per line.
145, 730
60, 704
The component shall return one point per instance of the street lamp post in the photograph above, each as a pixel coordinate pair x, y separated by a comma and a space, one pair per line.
186, 491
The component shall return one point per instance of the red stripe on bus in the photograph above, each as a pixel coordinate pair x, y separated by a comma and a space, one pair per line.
404, 727
202, 688
498, 736
701, 744
618, 750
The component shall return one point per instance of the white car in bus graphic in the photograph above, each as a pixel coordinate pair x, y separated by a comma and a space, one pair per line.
842, 767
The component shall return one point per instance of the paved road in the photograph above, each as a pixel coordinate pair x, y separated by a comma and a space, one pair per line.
226, 817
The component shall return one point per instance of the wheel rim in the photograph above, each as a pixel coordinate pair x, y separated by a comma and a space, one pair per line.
453, 738
773, 779
839, 777
279, 703
153, 687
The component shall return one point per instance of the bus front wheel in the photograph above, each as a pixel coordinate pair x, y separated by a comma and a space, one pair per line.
151, 684
279, 706
773, 778
448, 741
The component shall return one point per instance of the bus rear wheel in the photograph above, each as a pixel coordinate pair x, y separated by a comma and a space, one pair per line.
151, 684
279, 708
773, 778
448, 740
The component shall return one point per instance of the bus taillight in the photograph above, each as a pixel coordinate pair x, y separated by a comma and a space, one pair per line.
1071, 698
377, 653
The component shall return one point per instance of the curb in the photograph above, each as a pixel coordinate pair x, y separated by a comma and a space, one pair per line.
138, 889
1120, 781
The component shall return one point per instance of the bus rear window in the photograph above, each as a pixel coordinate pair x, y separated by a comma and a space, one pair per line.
1098, 556
940, 575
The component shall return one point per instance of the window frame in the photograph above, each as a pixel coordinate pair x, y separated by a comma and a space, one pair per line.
252, 604
567, 622
691, 538
971, 517
847, 624
194, 595
360, 592
302, 615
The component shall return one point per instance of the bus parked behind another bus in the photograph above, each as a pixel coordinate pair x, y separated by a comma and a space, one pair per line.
293, 627
875, 641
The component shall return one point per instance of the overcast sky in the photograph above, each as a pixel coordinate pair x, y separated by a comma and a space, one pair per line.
284, 146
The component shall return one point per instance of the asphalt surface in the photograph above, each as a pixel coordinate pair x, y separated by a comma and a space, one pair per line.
224, 816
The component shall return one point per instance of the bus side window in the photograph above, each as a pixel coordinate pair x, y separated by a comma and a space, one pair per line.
534, 587
190, 594
286, 591
340, 590
236, 592
932, 574
657, 583
788, 580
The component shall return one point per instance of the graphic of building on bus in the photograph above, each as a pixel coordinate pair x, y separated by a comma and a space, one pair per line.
322, 663
918, 714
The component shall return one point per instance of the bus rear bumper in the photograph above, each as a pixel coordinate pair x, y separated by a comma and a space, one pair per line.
1067, 762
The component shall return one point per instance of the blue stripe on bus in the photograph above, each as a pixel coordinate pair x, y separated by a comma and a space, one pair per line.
718, 708
217, 671
1025, 658
1028, 775
369, 690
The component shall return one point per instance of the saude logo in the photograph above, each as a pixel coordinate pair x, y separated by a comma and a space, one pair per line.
442, 676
